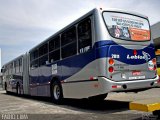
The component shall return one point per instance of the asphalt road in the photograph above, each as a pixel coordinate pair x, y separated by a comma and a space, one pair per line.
114, 107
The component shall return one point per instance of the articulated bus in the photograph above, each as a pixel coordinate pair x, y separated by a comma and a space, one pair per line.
103, 51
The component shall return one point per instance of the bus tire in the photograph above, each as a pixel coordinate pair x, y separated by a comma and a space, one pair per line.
18, 89
99, 97
56, 92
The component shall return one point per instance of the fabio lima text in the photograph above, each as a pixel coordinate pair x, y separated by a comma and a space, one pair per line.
14, 117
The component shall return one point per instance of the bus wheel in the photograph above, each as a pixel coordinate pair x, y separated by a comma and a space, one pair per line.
56, 92
99, 97
18, 89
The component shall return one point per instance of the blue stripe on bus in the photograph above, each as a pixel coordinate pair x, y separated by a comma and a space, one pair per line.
126, 55
72, 65
116, 49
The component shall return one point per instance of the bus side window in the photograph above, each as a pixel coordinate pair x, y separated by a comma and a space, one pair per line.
33, 55
10, 68
20, 65
34, 59
84, 36
54, 49
34, 64
17, 66
69, 43
43, 60
43, 50
43, 54
54, 43
54, 56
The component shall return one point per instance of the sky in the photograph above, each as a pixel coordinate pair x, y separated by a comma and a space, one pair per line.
26, 23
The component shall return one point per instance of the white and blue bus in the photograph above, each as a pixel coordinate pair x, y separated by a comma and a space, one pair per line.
103, 51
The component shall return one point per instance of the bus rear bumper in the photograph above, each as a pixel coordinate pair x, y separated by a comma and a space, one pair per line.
124, 86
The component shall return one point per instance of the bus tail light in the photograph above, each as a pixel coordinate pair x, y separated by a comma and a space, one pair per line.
155, 63
111, 61
155, 67
116, 86
110, 69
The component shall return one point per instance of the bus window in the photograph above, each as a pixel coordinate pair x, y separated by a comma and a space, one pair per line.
54, 49
127, 26
17, 66
34, 55
54, 44
10, 68
34, 64
54, 56
43, 54
69, 43
84, 36
20, 65
43, 60
14, 67
43, 50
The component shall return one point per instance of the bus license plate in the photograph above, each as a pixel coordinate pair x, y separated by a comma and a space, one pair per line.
136, 77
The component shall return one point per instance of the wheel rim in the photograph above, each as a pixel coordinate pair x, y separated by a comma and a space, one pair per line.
56, 92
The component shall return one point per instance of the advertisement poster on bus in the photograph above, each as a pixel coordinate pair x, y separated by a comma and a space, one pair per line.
126, 26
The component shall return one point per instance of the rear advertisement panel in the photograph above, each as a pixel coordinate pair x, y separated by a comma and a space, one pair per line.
126, 26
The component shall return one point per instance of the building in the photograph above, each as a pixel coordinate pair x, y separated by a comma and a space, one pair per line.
155, 29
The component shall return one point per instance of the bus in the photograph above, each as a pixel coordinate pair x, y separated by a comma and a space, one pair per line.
105, 50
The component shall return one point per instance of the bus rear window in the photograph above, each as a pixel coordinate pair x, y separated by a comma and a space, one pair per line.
126, 26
